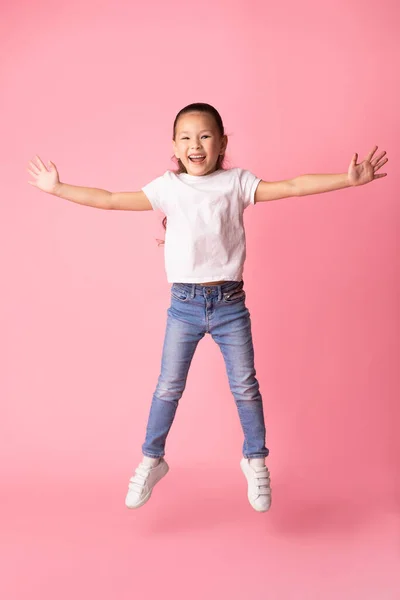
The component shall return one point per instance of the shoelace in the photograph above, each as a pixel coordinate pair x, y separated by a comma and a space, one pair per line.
263, 481
138, 480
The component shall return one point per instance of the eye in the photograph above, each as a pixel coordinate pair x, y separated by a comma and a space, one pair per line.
205, 136
184, 138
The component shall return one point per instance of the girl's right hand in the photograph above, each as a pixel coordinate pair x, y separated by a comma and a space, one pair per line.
45, 179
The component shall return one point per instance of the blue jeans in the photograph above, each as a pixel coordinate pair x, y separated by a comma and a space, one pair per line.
219, 310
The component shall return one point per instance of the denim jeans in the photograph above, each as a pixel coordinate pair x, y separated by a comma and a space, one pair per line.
219, 310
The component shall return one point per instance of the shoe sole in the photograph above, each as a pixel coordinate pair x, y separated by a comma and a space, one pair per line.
248, 497
148, 496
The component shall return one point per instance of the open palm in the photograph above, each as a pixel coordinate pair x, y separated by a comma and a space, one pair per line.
365, 171
45, 179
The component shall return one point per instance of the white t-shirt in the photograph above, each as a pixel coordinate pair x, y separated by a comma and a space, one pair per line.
205, 238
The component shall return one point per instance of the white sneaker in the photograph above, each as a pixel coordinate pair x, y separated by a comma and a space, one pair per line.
142, 482
259, 489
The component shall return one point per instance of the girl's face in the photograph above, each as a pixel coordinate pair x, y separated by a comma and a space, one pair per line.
198, 142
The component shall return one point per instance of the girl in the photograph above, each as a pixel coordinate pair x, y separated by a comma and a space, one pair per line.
205, 251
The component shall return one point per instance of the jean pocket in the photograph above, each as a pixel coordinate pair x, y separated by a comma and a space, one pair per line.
235, 295
179, 293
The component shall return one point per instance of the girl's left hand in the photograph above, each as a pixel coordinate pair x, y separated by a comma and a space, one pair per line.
365, 171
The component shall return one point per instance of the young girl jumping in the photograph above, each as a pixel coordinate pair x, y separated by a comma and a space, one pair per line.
205, 251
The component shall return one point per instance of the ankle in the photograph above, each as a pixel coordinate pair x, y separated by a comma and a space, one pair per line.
257, 462
150, 461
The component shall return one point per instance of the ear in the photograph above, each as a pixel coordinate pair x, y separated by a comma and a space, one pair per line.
224, 143
174, 148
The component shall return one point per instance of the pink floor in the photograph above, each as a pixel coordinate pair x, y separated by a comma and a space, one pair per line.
197, 538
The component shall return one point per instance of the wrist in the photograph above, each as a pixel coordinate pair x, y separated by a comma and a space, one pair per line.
57, 189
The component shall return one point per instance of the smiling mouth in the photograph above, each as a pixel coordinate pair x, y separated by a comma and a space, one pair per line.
197, 158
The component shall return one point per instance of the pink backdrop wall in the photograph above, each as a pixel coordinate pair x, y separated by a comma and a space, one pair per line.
95, 86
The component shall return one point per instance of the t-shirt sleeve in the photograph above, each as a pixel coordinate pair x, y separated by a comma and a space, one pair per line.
248, 183
154, 192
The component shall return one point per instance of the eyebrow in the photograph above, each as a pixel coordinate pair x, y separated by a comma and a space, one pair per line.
202, 131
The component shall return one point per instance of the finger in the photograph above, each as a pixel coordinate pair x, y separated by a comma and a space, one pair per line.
32, 183
354, 159
31, 173
380, 164
34, 168
380, 175
41, 162
370, 155
378, 158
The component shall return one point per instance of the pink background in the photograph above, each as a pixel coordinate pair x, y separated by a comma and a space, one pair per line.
95, 86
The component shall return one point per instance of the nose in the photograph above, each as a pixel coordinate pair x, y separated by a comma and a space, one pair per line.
196, 144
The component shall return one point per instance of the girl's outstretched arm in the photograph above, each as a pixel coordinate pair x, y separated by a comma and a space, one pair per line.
305, 185
48, 181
